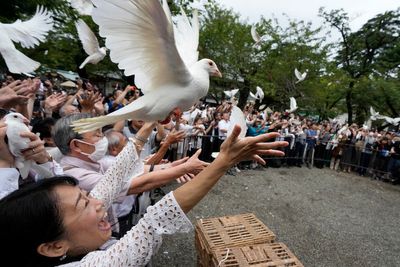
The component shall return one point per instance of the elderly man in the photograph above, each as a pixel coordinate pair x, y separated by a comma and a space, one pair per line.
83, 154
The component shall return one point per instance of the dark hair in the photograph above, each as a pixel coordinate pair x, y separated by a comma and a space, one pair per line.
29, 217
44, 127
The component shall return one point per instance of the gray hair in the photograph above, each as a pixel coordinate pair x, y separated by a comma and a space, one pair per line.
112, 138
63, 133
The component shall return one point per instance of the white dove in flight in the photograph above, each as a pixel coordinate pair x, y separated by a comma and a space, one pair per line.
293, 105
28, 33
392, 121
259, 95
300, 76
84, 7
230, 94
375, 115
90, 44
142, 40
256, 37
16, 124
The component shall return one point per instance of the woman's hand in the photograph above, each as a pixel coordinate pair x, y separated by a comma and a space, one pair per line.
234, 150
193, 165
36, 150
6, 159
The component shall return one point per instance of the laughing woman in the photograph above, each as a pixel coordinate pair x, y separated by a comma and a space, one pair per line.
53, 222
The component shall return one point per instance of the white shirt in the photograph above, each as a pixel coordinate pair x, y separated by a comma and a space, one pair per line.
223, 125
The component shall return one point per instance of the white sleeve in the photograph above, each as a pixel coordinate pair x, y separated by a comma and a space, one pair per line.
9, 181
115, 182
139, 244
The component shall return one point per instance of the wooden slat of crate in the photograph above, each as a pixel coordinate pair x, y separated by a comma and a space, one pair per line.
234, 231
229, 231
265, 255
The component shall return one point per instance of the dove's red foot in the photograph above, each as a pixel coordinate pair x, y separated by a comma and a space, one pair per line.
176, 112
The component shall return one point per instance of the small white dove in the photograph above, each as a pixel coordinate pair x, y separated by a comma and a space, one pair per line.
16, 124
90, 44
230, 94
256, 37
293, 105
29, 34
84, 7
143, 41
300, 76
259, 95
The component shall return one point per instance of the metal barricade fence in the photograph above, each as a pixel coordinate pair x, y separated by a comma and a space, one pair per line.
337, 156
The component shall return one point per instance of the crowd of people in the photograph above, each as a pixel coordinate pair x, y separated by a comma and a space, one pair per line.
97, 197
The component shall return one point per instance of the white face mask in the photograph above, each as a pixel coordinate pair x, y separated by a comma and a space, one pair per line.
100, 149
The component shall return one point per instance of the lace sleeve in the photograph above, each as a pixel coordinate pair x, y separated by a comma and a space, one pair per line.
114, 181
140, 243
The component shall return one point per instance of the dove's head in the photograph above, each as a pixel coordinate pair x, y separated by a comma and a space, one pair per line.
103, 50
211, 67
16, 117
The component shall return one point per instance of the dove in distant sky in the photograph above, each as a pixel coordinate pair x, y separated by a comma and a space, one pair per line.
90, 44
231, 93
144, 41
84, 7
256, 37
16, 124
293, 105
300, 76
259, 95
28, 33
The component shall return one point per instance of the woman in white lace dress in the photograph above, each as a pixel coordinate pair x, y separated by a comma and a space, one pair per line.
55, 223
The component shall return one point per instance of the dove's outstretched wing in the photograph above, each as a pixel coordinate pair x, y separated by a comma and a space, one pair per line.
293, 104
254, 34
28, 33
297, 74
31, 32
84, 7
141, 40
89, 40
260, 93
187, 37
237, 117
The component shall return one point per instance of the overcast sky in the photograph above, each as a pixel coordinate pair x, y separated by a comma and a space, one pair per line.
359, 10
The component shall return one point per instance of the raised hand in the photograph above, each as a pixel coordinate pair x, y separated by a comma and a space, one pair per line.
234, 150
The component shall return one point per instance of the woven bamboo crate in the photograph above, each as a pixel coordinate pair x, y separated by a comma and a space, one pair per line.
262, 255
229, 231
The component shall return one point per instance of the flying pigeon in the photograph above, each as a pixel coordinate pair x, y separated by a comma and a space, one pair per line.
16, 124
237, 117
256, 37
258, 95
392, 121
293, 105
84, 7
28, 33
375, 115
143, 41
90, 44
230, 94
300, 76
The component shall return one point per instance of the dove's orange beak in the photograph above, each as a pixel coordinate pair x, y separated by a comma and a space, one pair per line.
216, 73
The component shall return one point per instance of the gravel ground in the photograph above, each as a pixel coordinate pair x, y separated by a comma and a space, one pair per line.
324, 217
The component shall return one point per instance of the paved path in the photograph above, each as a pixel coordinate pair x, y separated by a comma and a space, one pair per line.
326, 218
